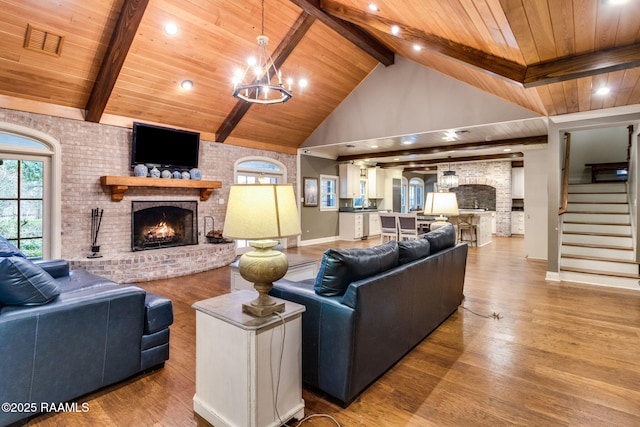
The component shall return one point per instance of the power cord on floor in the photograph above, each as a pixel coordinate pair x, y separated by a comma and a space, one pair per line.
276, 381
493, 315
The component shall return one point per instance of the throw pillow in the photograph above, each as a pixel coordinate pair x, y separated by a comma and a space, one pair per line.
411, 250
442, 238
8, 249
24, 283
340, 267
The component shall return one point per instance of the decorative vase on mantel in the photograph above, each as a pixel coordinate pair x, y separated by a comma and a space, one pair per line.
140, 170
195, 173
155, 172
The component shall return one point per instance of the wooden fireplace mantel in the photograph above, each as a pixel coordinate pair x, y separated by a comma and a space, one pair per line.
120, 184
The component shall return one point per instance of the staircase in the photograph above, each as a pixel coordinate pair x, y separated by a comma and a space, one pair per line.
597, 242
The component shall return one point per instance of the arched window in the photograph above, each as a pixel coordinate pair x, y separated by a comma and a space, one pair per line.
252, 170
416, 194
30, 191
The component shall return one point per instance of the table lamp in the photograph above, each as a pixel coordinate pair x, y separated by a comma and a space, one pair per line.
260, 213
441, 203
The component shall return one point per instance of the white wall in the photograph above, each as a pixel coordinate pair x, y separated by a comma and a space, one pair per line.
407, 98
535, 203
604, 145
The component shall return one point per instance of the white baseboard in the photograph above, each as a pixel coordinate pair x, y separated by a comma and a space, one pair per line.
318, 241
552, 276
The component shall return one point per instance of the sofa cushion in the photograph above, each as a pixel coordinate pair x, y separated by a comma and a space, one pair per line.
340, 267
411, 250
442, 238
8, 249
24, 283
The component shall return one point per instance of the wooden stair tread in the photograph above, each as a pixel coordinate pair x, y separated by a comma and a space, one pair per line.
597, 213
596, 246
598, 223
597, 258
600, 273
593, 233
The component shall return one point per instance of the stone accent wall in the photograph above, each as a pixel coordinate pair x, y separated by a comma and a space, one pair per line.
495, 174
91, 150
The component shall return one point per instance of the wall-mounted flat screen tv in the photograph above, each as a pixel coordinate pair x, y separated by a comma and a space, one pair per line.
164, 147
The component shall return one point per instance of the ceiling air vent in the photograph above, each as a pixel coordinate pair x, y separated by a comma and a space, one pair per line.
43, 41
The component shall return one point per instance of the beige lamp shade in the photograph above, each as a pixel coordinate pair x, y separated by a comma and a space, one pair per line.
261, 211
445, 204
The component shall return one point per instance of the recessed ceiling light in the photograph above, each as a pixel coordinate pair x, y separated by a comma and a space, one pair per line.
396, 159
617, 2
417, 47
171, 28
395, 30
373, 8
603, 90
506, 150
407, 142
374, 146
186, 84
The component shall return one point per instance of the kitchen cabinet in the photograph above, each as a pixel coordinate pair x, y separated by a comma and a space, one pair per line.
349, 181
517, 183
517, 222
374, 224
351, 225
375, 178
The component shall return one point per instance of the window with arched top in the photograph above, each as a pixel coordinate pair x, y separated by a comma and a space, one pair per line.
416, 194
30, 191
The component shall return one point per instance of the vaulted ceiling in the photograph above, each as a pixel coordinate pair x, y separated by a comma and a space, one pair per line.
110, 61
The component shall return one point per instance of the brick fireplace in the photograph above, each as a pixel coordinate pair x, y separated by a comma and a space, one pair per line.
163, 224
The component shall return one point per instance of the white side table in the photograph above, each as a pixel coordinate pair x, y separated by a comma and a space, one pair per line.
300, 268
238, 358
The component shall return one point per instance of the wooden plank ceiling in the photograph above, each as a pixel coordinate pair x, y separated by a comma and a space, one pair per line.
116, 64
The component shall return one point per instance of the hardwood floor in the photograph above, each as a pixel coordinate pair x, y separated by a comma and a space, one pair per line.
559, 355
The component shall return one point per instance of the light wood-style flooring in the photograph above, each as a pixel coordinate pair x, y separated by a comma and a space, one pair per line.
559, 355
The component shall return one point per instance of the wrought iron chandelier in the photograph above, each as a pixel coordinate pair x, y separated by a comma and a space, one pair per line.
261, 82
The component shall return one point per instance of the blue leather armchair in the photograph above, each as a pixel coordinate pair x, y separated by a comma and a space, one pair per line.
87, 334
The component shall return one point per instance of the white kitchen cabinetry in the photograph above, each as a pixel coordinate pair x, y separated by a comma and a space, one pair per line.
350, 226
517, 222
349, 181
517, 183
374, 224
375, 177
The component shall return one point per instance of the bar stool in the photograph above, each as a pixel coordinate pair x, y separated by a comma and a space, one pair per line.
468, 228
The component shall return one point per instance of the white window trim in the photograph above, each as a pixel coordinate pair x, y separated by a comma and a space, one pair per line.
52, 247
337, 181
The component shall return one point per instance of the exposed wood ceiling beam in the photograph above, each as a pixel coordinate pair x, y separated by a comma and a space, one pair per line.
354, 34
119, 45
529, 140
422, 169
417, 163
557, 70
280, 55
585, 65
495, 64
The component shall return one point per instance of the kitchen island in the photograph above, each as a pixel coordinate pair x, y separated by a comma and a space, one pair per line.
482, 221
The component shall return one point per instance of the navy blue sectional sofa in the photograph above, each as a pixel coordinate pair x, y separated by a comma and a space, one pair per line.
367, 308
65, 334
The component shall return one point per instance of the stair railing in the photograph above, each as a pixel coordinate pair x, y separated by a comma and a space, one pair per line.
565, 175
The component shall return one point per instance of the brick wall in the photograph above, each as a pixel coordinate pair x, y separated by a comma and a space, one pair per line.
91, 150
495, 174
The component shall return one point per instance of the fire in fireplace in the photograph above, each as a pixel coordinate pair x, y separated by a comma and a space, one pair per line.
163, 224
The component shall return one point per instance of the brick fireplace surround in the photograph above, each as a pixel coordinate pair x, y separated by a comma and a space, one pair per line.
91, 150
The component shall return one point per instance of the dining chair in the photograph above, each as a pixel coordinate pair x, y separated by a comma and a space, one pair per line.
407, 226
388, 226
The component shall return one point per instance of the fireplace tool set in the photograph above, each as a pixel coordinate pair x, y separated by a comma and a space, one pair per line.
96, 219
